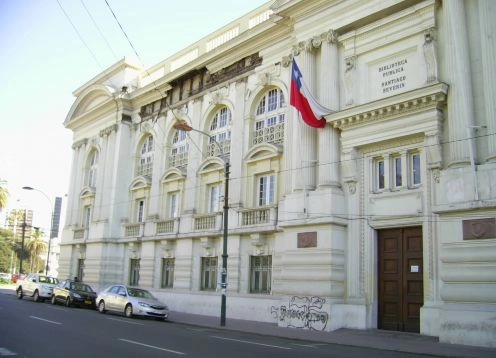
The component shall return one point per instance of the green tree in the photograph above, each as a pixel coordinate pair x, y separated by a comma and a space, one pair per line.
36, 246
8, 256
4, 195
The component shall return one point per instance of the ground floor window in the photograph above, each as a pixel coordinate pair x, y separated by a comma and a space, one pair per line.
260, 274
209, 273
134, 268
80, 269
167, 273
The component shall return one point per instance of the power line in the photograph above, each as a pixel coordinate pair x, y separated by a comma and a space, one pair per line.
99, 30
79, 35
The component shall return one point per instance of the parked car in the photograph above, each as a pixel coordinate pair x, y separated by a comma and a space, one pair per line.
72, 293
131, 301
36, 285
17, 276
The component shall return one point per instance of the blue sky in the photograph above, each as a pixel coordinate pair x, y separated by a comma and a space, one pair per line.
43, 60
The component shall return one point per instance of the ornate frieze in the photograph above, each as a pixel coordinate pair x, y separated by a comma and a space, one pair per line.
80, 143
107, 131
421, 99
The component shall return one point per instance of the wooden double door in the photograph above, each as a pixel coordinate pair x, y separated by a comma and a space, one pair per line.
401, 293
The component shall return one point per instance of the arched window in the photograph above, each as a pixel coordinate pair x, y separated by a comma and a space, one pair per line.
92, 169
220, 132
270, 118
145, 158
179, 150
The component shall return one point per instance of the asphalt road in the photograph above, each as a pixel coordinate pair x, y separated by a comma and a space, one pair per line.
30, 329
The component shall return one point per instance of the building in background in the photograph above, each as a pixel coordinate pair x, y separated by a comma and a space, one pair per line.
384, 218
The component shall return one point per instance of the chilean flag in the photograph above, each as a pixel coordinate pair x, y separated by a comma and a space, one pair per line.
301, 98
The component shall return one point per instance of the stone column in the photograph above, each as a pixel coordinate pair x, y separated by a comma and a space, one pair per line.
289, 129
328, 137
487, 14
306, 136
460, 97
76, 184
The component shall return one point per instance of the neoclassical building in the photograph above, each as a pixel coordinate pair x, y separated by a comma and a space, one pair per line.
385, 218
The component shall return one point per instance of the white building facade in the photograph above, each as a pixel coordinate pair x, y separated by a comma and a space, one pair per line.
385, 218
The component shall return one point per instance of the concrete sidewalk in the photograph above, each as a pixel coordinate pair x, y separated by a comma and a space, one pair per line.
370, 338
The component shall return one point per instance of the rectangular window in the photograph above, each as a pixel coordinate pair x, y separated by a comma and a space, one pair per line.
173, 205
141, 211
398, 174
380, 174
80, 269
260, 274
134, 267
167, 273
415, 162
213, 198
209, 273
266, 190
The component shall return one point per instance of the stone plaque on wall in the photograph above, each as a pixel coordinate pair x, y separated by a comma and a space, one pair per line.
477, 229
307, 239
395, 74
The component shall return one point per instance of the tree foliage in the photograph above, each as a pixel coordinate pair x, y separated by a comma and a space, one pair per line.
4, 195
6, 247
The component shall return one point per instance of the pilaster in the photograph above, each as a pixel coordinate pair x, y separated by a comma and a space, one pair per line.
328, 137
460, 97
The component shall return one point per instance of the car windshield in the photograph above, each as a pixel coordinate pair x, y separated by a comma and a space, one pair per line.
46, 279
134, 292
81, 287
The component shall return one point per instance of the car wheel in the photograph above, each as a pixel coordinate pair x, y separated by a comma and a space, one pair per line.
36, 296
68, 302
129, 311
53, 300
19, 293
101, 307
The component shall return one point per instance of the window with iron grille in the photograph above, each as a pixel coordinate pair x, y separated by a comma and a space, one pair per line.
134, 268
260, 274
167, 273
80, 269
220, 132
145, 163
179, 150
209, 273
270, 117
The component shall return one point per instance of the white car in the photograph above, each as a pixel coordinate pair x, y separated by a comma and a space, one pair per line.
36, 285
131, 301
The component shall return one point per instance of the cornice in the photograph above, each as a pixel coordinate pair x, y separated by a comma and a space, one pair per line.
413, 101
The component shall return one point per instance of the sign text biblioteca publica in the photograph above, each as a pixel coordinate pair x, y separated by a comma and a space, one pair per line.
393, 75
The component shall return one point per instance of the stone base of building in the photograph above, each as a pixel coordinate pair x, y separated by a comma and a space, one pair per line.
469, 324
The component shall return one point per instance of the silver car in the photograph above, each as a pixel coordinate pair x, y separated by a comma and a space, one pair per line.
131, 301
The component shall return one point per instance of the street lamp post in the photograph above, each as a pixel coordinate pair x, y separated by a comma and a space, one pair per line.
187, 128
51, 223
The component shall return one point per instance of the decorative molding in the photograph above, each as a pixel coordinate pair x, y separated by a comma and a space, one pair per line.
430, 56
350, 65
107, 131
80, 143
413, 101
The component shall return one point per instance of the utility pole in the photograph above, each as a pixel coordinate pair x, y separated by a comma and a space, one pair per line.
22, 242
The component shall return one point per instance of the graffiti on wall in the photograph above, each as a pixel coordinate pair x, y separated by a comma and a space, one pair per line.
302, 312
